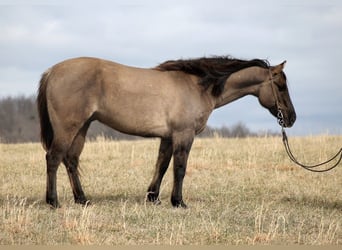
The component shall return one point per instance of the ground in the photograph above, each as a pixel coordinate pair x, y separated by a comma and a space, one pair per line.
239, 192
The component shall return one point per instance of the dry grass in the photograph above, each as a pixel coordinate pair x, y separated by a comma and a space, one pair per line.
240, 191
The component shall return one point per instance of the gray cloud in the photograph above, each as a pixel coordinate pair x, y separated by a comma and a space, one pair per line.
38, 34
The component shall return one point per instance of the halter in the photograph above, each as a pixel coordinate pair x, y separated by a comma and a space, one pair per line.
280, 119
280, 116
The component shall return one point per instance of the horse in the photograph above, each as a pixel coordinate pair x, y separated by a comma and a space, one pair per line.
171, 101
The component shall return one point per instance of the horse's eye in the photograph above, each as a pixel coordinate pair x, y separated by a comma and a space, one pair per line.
282, 87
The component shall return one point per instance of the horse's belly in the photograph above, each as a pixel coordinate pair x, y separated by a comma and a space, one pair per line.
136, 123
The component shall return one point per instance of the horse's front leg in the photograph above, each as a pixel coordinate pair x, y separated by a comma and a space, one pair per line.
164, 157
182, 143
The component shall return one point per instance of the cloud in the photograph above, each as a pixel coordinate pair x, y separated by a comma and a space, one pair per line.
14, 81
37, 34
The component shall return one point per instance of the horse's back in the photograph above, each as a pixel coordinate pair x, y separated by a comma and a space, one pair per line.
125, 98
132, 100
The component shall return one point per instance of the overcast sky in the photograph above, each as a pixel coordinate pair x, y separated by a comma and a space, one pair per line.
35, 35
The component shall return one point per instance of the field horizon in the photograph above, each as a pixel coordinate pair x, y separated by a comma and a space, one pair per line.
240, 191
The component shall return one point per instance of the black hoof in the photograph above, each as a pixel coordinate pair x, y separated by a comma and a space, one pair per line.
53, 203
178, 204
152, 197
83, 202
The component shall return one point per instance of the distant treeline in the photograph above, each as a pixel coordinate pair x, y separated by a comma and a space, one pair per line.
19, 122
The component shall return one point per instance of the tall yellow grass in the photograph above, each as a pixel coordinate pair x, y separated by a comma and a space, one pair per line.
239, 191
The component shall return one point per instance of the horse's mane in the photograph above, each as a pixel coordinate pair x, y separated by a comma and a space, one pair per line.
211, 71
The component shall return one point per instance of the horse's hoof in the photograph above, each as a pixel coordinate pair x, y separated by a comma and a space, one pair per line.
83, 201
178, 204
152, 197
54, 204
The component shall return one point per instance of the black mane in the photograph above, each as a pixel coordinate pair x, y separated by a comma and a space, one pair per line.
211, 71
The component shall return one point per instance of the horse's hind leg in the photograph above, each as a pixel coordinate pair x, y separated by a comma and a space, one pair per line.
54, 157
164, 157
71, 162
63, 139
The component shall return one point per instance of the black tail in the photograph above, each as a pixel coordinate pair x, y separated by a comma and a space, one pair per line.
46, 131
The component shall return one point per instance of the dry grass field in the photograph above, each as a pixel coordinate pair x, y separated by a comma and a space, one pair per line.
239, 192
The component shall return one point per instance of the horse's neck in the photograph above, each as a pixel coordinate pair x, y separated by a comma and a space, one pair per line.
242, 83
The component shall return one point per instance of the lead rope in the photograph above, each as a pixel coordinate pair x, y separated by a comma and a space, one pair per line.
311, 168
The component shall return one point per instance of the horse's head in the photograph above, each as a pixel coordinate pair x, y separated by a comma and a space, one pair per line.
274, 96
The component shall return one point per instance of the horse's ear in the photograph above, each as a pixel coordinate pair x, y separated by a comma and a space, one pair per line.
279, 68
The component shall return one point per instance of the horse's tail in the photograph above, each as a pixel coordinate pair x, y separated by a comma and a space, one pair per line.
46, 130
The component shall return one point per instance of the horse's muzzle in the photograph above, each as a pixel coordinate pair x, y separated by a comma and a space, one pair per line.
289, 120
